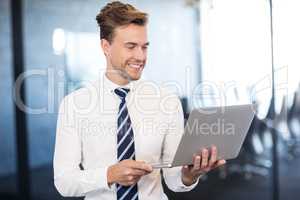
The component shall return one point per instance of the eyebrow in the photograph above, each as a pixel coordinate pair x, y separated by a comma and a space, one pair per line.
135, 44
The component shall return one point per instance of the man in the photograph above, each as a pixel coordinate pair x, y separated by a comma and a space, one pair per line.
110, 132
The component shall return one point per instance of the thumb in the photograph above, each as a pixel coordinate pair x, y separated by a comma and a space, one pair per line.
185, 168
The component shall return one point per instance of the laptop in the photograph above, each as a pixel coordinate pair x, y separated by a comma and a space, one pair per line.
225, 127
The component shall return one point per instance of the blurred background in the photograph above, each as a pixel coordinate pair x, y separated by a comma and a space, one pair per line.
211, 52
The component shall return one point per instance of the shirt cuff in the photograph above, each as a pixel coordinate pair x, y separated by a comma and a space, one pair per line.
97, 179
112, 187
185, 187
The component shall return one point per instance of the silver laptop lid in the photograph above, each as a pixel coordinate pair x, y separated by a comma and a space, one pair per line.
225, 127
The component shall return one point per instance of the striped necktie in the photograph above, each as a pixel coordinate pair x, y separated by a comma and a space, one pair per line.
125, 139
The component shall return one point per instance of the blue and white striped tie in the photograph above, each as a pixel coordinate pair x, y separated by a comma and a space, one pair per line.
125, 139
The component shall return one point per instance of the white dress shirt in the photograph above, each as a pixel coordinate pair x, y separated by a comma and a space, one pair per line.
86, 136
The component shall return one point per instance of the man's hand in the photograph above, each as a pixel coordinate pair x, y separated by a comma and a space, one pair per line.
201, 165
127, 172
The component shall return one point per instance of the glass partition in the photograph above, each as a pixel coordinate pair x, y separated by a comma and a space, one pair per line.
237, 69
8, 185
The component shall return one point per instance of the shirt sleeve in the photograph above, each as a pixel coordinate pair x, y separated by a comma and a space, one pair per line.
172, 176
69, 179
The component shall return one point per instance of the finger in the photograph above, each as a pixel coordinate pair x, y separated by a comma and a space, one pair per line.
219, 163
197, 161
185, 168
204, 157
129, 178
138, 172
192, 165
136, 178
213, 157
130, 183
142, 166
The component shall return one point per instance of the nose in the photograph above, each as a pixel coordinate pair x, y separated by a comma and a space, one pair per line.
140, 54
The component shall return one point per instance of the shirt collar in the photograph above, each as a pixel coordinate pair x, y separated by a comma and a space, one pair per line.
111, 86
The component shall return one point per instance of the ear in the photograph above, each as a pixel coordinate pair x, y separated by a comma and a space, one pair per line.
105, 46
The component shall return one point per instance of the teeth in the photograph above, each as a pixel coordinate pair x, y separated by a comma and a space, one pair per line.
135, 66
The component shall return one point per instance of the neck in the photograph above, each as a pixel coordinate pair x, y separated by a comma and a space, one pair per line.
116, 78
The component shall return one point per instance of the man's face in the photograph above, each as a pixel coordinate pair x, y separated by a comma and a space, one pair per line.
127, 53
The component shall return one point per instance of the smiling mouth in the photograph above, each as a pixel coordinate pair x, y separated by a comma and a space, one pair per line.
136, 66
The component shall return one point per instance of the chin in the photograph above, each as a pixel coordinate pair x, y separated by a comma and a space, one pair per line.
134, 78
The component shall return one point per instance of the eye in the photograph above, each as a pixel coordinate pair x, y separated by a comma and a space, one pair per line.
130, 46
145, 47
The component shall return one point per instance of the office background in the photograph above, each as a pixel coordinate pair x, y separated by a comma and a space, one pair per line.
248, 49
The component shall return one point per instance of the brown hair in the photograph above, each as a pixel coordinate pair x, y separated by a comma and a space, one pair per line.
117, 14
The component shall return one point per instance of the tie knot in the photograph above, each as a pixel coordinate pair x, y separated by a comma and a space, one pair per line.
122, 92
